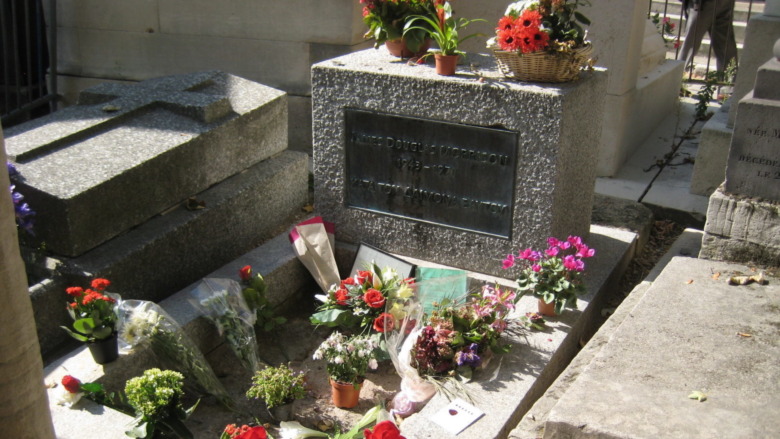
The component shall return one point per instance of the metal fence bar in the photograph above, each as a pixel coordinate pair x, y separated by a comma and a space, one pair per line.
28, 53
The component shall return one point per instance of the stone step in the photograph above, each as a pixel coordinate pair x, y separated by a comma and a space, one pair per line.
532, 424
128, 152
172, 250
691, 331
289, 283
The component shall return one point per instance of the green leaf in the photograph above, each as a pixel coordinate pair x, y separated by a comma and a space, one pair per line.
75, 335
701, 397
84, 326
333, 318
139, 431
92, 387
581, 18
102, 333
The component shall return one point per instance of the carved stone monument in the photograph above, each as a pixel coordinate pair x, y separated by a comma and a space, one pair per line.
743, 218
454, 170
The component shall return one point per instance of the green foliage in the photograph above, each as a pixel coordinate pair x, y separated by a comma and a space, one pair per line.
277, 386
704, 96
156, 398
386, 21
444, 32
254, 293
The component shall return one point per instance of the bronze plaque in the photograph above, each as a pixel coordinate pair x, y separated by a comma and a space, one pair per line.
450, 174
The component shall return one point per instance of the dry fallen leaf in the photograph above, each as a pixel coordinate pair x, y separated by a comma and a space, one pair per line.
744, 334
308, 208
689, 281
716, 275
698, 395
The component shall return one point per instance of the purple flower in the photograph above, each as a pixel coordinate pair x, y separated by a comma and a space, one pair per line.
12, 172
468, 356
22, 210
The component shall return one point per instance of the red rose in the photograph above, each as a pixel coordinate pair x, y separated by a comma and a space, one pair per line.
384, 322
71, 384
364, 276
348, 281
75, 291
383, 430
253, 433
100, 284
374, 298
341, 295
245, 273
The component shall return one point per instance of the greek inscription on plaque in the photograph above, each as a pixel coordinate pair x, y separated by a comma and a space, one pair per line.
455, 175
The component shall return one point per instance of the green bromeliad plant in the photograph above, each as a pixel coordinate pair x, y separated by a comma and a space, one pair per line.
442, 28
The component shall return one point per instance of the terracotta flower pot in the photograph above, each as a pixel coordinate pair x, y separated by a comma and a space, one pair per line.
398, 48
546, 309
445, 64
345, 395
104, 351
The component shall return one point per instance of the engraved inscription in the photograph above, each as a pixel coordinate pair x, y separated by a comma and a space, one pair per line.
455, 175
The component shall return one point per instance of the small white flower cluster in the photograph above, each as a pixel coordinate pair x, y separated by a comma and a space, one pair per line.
347, 356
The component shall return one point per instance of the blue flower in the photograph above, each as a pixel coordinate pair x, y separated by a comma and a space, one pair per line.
23, 211
12, 172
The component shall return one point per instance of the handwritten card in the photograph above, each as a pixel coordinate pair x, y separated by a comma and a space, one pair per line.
457, 416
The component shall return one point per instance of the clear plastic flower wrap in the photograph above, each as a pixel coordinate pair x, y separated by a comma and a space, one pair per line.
144, 323
408, 319
222, 302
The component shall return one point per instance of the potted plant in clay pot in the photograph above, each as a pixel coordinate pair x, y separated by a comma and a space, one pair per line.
542, 41
278, 387
94, 319
444, 29
348, 359
386, 20
553, 276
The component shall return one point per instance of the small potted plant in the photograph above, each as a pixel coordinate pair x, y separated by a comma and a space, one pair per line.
542, 41
444, 29
386, 20
278, 387
348, 359
94, 319
553, 276
156, 398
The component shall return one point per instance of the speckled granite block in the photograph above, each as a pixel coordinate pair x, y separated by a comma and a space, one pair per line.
128, 152
558, 128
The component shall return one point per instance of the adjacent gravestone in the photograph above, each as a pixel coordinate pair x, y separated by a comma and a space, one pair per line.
743, 218
128, 152
454, 170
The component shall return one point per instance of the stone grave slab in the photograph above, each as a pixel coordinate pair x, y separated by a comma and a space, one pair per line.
754, 158
455, 170
537, 357
173, 250
689, 332
128, 152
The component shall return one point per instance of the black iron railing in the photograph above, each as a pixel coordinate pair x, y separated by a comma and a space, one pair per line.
28, 55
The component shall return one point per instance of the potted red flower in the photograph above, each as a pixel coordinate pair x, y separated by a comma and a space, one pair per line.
94, 319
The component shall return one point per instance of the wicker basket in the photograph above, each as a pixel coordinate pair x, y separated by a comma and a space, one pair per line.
543, 66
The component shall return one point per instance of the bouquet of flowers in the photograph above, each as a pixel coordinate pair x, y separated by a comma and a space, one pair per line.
146, 323
255, 296
359, 301
348, 358
222, 302
542, 25
93, 312
458, 338
542, 40
555, 275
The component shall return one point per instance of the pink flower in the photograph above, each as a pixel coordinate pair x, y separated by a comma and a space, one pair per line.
573, 264
552, 242
552, 251
536, 267
529, 255
574, 240
509, 262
